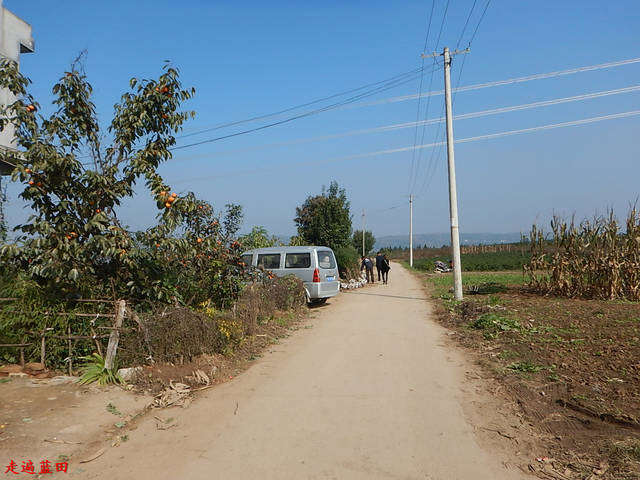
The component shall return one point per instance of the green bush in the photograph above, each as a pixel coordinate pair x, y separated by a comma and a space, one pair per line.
348, 261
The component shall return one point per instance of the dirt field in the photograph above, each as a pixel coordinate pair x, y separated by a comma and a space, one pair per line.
572, 366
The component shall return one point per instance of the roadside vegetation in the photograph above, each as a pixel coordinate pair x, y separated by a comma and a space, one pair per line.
63, 269
561, 334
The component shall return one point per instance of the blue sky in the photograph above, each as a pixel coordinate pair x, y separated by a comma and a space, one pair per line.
251, 58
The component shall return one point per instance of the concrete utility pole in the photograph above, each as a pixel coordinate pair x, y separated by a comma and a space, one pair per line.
411, 230
363, 252
453, 198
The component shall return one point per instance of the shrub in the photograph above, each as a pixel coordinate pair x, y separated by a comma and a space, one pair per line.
177, 334
348, 261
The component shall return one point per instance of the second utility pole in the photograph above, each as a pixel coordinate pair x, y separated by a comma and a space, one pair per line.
411, 230
453, 198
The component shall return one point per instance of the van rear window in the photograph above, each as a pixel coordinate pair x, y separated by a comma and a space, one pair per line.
247, 260
297, 260
269, 261
325, 259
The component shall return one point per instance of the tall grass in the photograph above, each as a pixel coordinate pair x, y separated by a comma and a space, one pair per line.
594, 259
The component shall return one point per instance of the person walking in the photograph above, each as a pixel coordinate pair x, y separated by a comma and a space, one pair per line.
379, 263
385, 270
368, 265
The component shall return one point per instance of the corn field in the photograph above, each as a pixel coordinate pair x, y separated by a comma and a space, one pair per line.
592, 260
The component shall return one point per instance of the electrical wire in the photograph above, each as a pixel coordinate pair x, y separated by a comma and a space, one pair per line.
349, 100
433, 121
302, 105
479, 22
408, 75
415, 134
412, 178
583, 121
464, 29
509, 81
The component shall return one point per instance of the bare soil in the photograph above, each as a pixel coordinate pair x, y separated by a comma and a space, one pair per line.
572, 367
49, 417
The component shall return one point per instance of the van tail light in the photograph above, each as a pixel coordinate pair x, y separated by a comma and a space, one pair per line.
316, 276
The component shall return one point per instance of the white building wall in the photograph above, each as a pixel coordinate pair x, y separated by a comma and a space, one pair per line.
15, 38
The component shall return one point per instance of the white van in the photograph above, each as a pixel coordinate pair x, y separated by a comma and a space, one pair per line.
315, 266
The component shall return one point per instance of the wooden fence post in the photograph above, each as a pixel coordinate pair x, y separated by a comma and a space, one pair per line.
42, 347
112, 347
70, 345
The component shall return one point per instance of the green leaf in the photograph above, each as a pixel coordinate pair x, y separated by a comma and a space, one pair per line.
73, 274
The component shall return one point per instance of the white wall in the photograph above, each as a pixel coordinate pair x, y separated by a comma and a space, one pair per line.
15, 38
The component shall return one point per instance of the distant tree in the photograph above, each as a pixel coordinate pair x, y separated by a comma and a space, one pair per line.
325, 219
369, 241
296, 241
258, 238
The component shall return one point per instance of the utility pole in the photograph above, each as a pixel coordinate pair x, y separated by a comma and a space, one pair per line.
453, 198
411, 230
363, 252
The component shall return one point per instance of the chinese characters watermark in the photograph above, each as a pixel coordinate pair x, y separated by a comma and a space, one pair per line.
29, 468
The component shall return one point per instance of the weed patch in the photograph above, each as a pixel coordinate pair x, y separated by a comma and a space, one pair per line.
492, 324
525, 367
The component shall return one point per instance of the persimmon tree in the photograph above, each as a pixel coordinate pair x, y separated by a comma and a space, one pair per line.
74, 243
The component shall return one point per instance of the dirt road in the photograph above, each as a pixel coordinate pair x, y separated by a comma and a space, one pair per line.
368, 390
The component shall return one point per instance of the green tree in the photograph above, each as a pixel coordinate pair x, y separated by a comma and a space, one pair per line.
296, 241
369, 241
325, 219
258, 238
74, 243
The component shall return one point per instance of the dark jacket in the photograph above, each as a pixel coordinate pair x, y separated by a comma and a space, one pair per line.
366, 263
379, 262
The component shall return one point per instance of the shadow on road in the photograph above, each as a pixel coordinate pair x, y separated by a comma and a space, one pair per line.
384, 295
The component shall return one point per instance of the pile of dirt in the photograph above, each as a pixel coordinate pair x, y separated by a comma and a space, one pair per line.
573, 367
32, 369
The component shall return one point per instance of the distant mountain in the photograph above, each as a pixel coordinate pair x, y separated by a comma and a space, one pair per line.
440, 239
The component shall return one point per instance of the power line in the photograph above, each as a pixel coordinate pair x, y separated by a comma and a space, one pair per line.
583, 121
426, 112
444, 17
440, 92
464, 29
509, 81
462, 116
408, 76
415, 134
349, 100
302, 105
479, 22
432, 167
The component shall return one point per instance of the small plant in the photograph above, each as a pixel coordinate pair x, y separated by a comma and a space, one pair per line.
494, 300
507, 354
94, 370
525, 367
111, 408
493, 324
